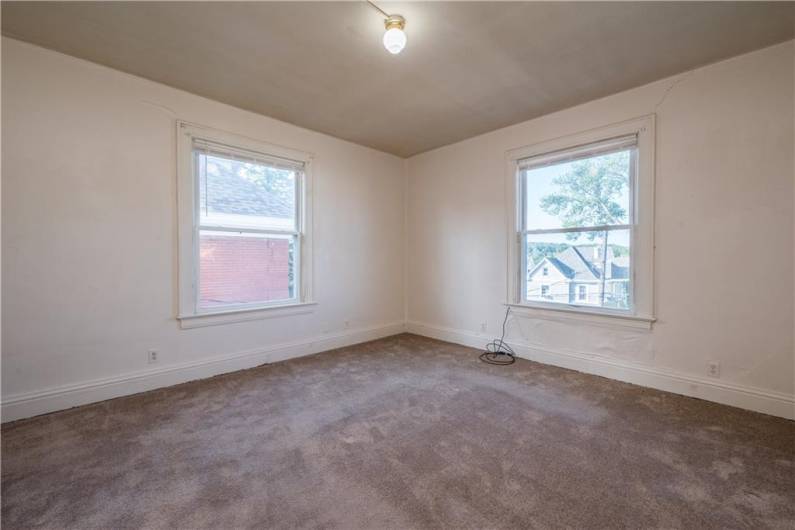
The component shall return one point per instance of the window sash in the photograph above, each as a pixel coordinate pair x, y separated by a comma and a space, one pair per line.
523, 269
581, 152
588, 151
577, 229
297, 278
245, 155
521, 239
258, 304
239, 230
200, 146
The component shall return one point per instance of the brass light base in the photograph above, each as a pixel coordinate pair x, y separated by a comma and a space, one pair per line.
395, 21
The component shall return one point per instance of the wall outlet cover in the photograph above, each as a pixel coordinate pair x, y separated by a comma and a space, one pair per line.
713, 368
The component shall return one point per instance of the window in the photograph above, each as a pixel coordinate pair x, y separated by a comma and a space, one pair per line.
584, 204
577, 212
582, 293
243, 224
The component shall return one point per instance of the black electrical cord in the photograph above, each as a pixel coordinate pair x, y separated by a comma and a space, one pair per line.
497, 352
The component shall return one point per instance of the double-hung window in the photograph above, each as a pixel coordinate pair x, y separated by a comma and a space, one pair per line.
581, 230
243, 225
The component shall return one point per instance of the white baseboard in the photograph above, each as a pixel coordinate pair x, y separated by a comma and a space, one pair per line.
30, 404
756, 399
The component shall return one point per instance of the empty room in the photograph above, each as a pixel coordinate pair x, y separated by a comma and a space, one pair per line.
397, 265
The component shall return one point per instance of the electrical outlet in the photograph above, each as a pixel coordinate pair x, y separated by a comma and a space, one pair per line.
483, 327
151, 356
713, 368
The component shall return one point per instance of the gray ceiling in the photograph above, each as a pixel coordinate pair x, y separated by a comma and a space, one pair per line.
468, 67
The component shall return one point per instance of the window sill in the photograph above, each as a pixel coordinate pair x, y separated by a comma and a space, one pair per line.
232, 316
583, 315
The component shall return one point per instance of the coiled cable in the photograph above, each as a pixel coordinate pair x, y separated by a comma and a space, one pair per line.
497, 351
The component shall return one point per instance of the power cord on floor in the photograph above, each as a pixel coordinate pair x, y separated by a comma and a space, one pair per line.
497, 352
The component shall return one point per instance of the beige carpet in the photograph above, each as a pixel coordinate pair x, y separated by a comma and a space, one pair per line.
405, 432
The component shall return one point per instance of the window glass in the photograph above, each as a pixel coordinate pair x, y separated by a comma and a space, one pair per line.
240, 269
577, 227
593, 191
245, 194
247, 232
596, 262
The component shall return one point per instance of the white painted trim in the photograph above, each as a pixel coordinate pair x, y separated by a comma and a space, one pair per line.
188, 216
641, 204
579, 313
745, 397
63, 397
231, 316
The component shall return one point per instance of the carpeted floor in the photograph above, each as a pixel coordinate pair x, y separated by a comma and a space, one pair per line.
404, 432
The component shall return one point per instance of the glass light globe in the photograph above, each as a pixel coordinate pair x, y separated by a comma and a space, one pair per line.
394, 40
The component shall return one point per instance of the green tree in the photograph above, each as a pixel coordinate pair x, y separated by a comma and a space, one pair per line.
588, 195
278, 182
538, 251
275, 181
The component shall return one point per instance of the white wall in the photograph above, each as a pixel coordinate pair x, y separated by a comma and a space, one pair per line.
724, 235
89, 237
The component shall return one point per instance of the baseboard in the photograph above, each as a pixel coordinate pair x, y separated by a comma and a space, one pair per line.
759, 400
30, 404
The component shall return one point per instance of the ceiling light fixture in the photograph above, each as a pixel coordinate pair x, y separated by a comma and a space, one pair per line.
394, 37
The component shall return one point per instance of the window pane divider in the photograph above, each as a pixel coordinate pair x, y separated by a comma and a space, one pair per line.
248, 230
601, 228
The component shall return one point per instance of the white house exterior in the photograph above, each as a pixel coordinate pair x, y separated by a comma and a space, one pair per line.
574, 276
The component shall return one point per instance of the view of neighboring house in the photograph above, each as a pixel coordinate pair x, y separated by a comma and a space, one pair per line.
574, 276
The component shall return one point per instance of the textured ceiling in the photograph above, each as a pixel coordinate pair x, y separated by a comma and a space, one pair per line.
468, 67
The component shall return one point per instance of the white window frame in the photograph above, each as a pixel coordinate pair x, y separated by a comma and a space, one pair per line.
641, 313
189, 314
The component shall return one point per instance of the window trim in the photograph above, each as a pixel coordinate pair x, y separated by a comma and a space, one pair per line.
188, 312
641, 227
